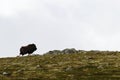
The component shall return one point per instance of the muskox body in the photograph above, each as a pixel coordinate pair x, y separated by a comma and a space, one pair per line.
29, 49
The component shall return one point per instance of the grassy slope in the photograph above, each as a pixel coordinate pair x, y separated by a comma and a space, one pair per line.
90, 65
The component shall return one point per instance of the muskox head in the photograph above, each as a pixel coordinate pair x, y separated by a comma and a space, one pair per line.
29, 49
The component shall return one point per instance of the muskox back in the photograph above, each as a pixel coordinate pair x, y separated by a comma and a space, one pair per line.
29, 49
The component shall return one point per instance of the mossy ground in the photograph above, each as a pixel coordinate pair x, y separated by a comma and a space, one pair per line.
85, 65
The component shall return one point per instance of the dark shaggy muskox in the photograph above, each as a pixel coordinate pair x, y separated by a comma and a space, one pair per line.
29, 49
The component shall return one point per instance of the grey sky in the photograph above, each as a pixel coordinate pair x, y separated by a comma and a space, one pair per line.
59, 24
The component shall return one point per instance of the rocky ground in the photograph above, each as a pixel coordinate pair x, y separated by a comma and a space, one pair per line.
68, 64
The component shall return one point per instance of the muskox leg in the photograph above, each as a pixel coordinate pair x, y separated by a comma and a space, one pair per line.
21, 54
18, 56
29, 54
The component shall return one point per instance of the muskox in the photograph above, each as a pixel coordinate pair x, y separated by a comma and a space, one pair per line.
29, 49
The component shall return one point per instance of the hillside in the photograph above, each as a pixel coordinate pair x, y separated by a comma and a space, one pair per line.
69, 64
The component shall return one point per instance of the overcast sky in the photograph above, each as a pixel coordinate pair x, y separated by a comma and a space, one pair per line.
59, 24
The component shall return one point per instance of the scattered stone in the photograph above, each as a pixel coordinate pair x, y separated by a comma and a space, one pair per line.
21, 70
38, 66
100, 67
52, 57
69, 68
6, 73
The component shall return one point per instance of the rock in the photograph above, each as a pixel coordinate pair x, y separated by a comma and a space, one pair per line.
54, 52
65, 51
6, 73
21, 70
38, 66
100, 67
81, 51
69, 68
72, 50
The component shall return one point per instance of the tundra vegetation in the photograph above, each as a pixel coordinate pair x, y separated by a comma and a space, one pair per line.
68, 64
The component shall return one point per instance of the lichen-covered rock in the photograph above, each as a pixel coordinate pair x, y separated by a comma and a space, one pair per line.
72, 50
54, 52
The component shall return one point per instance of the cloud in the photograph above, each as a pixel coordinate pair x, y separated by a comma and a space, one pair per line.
59, 24
12, 7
